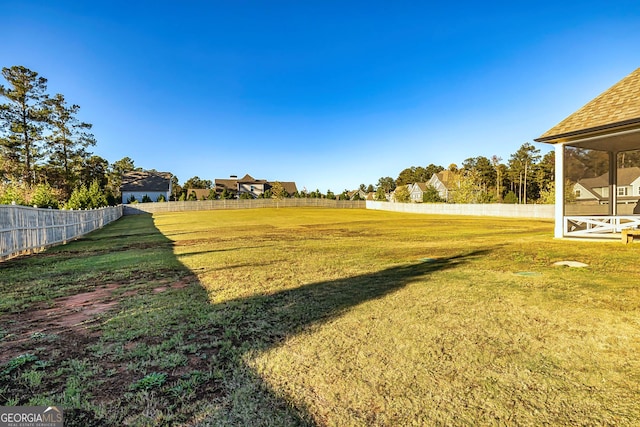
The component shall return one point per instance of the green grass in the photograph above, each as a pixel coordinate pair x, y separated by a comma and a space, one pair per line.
329, 317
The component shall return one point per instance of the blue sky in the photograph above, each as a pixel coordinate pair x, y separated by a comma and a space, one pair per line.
330, 94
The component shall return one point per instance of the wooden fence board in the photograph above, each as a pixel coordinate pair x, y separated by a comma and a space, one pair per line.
25, 229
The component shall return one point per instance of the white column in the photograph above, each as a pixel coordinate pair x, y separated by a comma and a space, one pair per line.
613, 183
559, 207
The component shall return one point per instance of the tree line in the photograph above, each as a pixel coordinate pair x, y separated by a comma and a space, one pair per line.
45, 160
44, 146
526, 177
45, 157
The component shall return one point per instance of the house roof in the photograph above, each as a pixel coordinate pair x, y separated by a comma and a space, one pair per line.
616, 108
289, 186
248, 179
626, 176
232, 184
145, 181
229, 184
446, 177
199, 192
422, 186
588, 189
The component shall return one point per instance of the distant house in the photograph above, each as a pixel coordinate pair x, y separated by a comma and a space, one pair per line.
416, 191
249, 185
357, 195
596, 190
198, 193
445, 183
138, 184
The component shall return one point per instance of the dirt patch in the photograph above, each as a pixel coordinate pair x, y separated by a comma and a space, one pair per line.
47, 324
176, 285
75, 313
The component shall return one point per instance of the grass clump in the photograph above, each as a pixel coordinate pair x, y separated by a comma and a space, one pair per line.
149, 381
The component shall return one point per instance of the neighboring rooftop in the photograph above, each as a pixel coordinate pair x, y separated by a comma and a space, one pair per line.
145, 181
233, 183
626, 176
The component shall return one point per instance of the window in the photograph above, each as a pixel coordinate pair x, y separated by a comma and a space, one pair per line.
622, 191
577, 193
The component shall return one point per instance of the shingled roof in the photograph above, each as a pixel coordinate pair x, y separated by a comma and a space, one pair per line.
625, 177
145, 181
616, 108
289, 186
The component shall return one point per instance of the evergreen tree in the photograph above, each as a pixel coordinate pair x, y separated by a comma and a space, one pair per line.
95, 168
278, 191
45, 197
401, 194
22, 121
118, 168
521, 166
431, 195
387, 184
68, 141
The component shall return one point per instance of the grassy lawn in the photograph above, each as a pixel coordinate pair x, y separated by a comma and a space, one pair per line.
324, 317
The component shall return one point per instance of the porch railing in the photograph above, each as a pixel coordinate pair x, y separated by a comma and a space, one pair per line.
603, 226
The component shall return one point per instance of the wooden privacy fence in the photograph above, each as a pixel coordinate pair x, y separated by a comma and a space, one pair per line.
24, 229
205, 205
489, 209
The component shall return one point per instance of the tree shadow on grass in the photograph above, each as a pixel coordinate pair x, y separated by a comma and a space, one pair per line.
145, 334
262, 321
293, 310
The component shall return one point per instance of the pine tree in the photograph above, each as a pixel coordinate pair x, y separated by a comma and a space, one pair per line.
68, 141
22, 121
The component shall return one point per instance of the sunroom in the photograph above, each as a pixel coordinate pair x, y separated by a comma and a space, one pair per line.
609, 125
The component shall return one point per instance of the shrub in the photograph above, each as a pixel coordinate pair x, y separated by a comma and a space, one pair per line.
45, 197
402, 195
161, 199
431, 195
12, 194
511, 197
91, 198
146, 199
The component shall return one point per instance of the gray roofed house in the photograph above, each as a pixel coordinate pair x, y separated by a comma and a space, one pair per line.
596, 190
250, 185
445, 183
137, 184
416, 191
